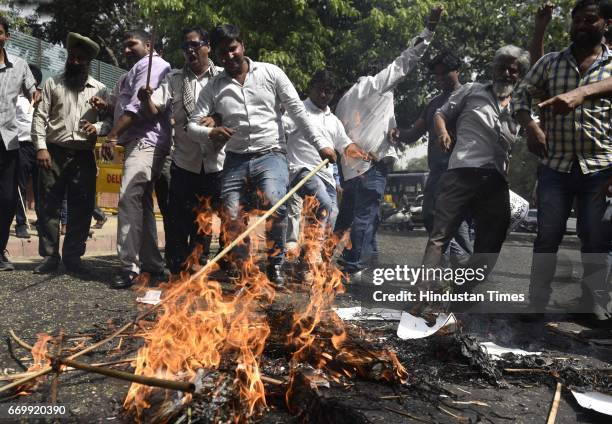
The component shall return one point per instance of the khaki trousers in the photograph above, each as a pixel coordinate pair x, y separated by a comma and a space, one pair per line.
136, 231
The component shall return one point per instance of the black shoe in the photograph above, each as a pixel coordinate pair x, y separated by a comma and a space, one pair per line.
75, 266
48, 264
21, 231
275, 275
5, 264
100, 223
156, 276
124, 280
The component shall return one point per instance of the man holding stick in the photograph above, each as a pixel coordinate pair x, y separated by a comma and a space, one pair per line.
248, 96
146, 142
196, 169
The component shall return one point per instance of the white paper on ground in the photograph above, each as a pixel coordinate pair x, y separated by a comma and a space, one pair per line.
496, 351
411, 327
358, 313
151, 297
596, 401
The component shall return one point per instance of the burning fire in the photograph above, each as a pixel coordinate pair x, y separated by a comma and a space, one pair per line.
200, 327
326, 283
40, 351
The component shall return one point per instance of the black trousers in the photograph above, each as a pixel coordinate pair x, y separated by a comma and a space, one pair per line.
27, 167
481, 194
9, 167
187, 191
73, 172
162, 193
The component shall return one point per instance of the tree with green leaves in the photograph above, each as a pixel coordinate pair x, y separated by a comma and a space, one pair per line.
104, 21
12, 10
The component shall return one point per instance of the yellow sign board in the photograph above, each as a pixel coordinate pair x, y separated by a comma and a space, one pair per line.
109, 178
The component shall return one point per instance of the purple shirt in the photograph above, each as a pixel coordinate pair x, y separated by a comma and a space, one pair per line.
153, 131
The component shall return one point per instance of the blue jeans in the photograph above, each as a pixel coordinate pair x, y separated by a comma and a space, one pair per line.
461, 246
323, 192
359, 210
268, 175
555, 195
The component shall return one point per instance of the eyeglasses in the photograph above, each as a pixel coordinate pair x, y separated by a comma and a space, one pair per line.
193, 45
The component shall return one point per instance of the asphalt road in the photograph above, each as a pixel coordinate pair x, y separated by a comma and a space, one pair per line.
32, 304
511, 273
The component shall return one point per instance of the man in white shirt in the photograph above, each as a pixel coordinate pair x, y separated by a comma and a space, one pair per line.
248, 97
303, 156
367, 112
27, 157
196, 168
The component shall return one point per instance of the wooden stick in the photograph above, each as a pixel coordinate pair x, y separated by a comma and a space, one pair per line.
17, 376
405, 414
151, 51
203, 270
554, 407
149, 381
122, 375
58, 371
272, 381
261, 219
47, 370
526, 370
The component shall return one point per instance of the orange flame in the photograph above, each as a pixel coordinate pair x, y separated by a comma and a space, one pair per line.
200, 327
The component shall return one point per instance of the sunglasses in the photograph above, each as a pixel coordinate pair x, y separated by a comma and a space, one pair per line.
193, 45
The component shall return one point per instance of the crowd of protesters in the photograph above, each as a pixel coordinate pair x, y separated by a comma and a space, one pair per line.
235, 131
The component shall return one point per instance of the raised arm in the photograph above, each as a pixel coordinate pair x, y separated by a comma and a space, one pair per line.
388, 78
542, 19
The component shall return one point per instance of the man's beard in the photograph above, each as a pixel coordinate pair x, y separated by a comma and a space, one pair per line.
503, 88
587, 39
76, 76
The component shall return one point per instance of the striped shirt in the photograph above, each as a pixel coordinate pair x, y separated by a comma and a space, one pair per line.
188, 154
584, 134
15, 77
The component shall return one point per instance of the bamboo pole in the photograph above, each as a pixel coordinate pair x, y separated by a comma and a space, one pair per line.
152, 49
122, 375
47, 370
554, 407
58, 370
203, 270
259, 221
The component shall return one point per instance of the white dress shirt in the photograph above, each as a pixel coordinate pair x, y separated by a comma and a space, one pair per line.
187, 153
367, 111
253, 110
23, 115
303, 155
